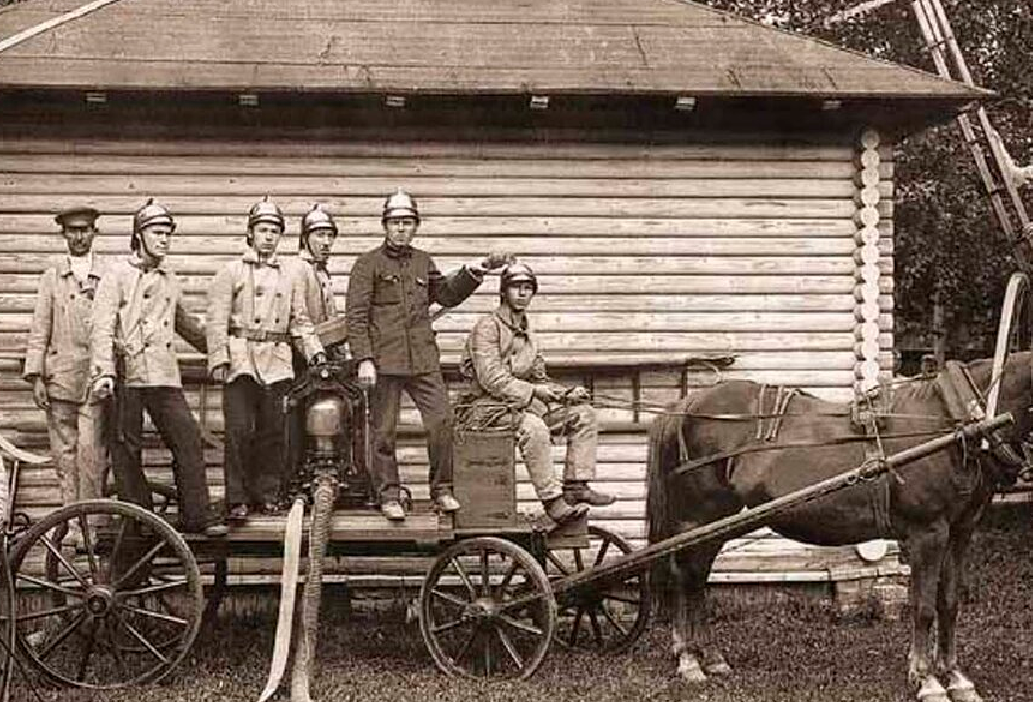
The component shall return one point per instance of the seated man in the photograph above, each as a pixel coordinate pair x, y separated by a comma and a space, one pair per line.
502, 361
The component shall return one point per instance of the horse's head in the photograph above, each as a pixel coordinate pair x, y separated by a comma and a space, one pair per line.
1015, 388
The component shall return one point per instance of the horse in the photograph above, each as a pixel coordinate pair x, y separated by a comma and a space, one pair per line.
716, 451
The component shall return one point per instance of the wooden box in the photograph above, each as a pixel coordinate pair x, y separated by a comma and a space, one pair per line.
484, 479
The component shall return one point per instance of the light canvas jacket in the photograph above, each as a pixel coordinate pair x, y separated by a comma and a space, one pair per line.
137, 313
58, 347
239, 300
316, 287
502, 361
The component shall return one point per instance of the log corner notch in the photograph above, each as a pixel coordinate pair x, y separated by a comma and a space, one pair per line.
866, 258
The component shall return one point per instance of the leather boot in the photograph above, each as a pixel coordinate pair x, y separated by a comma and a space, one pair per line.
393, 510
577, 492
561, 512
445, 501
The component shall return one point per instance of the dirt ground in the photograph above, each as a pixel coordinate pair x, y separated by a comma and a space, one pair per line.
794, 652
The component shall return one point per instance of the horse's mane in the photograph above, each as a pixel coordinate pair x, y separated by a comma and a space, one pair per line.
915, 390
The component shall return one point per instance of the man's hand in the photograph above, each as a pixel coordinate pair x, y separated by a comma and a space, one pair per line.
367, 373
546, 393
497, 259
221, 372
104, 387
577, 396
39, 393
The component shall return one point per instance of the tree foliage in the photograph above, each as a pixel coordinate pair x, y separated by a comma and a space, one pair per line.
947, 238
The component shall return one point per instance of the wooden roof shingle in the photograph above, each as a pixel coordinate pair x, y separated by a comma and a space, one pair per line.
631, 47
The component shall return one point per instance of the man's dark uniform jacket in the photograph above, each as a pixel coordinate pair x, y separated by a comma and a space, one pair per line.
389, 295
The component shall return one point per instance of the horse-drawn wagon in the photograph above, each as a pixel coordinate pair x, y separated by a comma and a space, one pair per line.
106, 594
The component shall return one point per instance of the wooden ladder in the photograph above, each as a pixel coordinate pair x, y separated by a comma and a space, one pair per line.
942, 46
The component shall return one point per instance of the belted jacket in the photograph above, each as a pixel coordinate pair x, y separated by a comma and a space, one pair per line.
388, 308
136, 315
58, 347
502, 362
316, 288
255, 313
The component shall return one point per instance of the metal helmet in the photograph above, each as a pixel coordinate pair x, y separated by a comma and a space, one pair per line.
518, 273
150, 213
315, 219
400, 204
265, 211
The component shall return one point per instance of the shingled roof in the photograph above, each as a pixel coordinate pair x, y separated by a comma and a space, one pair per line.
456, 47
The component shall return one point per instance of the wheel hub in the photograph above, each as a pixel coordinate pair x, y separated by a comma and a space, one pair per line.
99, 601
482, 608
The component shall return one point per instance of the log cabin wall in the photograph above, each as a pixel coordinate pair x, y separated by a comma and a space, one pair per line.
692, 242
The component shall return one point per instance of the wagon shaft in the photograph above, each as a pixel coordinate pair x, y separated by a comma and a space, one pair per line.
747, 521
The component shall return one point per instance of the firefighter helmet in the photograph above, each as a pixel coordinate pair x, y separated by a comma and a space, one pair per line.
518, 273
315, 219
150, 213
265, 211
400, 204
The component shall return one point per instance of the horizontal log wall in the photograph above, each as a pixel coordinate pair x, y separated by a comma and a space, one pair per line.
743, 248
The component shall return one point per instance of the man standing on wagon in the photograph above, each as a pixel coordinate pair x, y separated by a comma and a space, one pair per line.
137, 313
318, 233
390, 292
57, 361
256, 312
507, 373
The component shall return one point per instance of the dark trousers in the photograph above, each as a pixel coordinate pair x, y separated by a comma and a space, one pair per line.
254, 457
428, 392
179, 430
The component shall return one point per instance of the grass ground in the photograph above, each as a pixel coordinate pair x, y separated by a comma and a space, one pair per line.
794, 652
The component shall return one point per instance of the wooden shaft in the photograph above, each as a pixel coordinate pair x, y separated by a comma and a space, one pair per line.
744, 522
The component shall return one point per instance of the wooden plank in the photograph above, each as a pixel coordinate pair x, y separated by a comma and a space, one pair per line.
486, 300
703, 342
230, 243
407, 169
546, 265
297, 205
618, 284
442, 227
281, 143
288, 186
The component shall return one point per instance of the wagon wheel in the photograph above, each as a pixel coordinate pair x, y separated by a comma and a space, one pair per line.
123, 606
486, 610
600, 616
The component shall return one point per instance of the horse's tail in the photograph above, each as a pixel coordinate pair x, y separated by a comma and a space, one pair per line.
663, 432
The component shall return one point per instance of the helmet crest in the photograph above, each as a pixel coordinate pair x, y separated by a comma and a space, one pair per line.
150, 213
400, 204
315, 219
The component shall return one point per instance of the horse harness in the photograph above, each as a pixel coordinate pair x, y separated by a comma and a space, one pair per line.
963, 398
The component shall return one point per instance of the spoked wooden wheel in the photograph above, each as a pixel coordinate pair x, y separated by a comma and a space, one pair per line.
599, 616
107, 595
486, 610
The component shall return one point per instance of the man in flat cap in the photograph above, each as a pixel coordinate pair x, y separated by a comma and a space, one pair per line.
57, 360
137, 315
